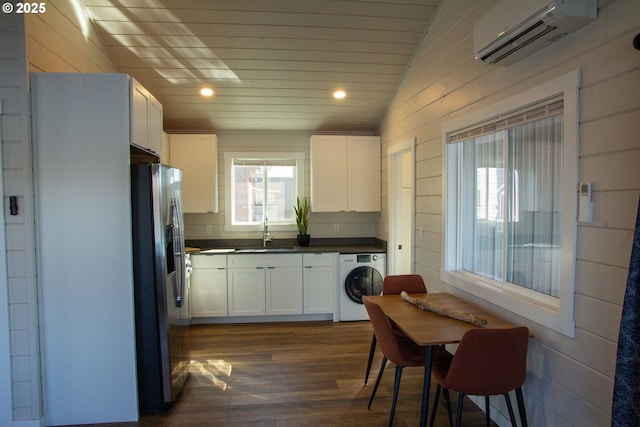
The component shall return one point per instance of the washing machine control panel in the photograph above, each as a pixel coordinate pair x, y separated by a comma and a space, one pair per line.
367, 258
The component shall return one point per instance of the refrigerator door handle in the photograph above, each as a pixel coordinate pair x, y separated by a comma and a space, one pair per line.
179, 251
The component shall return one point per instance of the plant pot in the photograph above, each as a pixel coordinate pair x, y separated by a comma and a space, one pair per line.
303, 239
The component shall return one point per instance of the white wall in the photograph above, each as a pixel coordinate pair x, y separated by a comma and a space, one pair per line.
85, 266
570, 381
321, 224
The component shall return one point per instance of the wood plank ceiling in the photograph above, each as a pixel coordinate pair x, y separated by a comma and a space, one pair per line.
273, 64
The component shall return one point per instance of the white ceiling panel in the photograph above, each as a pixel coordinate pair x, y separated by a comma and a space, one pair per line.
273, 64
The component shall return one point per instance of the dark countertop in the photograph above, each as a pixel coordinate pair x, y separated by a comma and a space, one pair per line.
253, 246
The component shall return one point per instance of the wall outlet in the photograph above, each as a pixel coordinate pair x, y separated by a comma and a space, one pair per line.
207, 229
336, 228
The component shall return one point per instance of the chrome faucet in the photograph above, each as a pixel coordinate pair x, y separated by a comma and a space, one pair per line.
266, 237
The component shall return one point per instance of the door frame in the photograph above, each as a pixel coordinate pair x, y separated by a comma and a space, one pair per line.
395, 150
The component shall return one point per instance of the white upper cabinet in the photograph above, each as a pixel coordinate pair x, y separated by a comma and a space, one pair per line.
197, 156
363, 173
345, 173
328, 173
155, 125
146, 119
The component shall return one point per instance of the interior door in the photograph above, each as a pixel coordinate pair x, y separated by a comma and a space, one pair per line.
401, 208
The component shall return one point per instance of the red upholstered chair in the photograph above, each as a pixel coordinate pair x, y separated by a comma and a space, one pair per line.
487, 362
398, 349
394, 285
410, 283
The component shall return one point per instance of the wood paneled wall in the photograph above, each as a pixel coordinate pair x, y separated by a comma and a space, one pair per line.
64, 40
20, 362
19, 283
59, 40
570, 381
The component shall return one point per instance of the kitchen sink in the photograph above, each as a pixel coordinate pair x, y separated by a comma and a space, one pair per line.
217, 251
264, 250
249, 250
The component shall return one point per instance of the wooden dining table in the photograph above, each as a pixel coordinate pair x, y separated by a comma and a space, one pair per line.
428, 329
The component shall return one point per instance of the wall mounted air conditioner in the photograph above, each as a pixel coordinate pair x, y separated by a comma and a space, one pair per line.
513, 29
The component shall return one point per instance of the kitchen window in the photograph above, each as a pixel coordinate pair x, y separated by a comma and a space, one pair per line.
262, 186
510, 212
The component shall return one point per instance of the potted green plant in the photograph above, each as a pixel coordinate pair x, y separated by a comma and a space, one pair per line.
302, 209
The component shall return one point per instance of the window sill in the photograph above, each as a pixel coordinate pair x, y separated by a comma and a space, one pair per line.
537, 307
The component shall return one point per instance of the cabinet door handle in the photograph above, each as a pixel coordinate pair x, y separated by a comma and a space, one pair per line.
308, 266
259, 268
270, 268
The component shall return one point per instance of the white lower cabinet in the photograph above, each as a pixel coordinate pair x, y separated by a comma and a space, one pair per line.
264, 284
246, 291
208, 296
319, 282
284, 290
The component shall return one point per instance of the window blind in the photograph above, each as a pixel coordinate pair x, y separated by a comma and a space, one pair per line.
548, 107
264, 162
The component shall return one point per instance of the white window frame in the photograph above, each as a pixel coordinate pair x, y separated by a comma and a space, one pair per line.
228, 161
554, 313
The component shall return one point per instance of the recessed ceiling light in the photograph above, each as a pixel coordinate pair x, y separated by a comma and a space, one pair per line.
339, 94
206, 91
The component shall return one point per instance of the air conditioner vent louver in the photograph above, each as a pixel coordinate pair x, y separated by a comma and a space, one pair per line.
514, 29
520, 41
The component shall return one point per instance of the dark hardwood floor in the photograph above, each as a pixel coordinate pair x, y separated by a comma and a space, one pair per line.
292, 374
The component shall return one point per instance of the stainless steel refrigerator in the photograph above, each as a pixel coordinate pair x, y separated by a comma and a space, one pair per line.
162, 319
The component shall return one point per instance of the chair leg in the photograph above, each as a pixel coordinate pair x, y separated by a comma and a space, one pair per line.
487, 411
510, 408
521, 408
460, 404
448, 399
375, 387
436, 399
372, 351
396, 388
435, 405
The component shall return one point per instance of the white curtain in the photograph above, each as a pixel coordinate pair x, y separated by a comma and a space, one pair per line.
511, 210
534, 240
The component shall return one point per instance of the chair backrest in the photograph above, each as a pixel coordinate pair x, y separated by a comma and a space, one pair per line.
489, 361
383, 330
410, 283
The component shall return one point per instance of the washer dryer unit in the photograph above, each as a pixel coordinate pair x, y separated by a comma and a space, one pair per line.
360, 274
